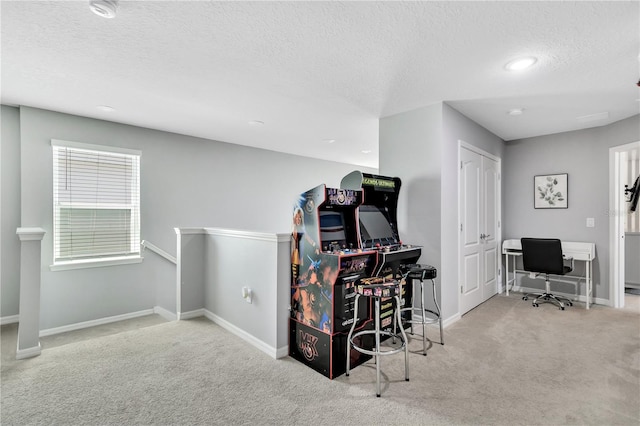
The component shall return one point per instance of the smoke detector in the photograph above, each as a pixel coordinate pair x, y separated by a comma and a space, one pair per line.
104, 8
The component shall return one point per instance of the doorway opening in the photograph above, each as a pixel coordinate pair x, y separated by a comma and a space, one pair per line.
622, 165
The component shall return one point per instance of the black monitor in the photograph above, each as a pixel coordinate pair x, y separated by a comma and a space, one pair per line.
332, 227
375, 227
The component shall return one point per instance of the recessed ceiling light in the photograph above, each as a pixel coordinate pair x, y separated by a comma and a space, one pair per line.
516, 111
521, 63
329, 140
256, 123
106, 108
366, 151
104, 8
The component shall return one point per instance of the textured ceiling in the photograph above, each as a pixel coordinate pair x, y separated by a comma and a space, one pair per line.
318, 71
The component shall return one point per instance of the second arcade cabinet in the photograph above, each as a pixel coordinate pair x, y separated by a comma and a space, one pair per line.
327, 262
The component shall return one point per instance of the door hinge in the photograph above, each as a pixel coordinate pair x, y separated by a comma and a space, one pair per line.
461, 165
460, 227
461, 290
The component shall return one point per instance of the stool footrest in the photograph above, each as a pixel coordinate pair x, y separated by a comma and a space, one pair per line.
435, 317
379, 351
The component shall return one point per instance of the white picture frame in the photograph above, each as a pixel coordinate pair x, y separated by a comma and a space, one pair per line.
551, 191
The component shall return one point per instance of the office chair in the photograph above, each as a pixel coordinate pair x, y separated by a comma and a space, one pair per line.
544, 256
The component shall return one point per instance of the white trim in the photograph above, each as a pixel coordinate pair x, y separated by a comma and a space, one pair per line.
95, 263
92, 147
30, 234
192, 314
616, 226
575, 298
498, 237
29, 352
9, 319
165, 313
269, 350
93, 323
283, 238
147, 245
187, 231
477, 150
452, 319
261, 236
282, 352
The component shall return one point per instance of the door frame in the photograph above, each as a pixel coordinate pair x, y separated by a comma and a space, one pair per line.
498, 160
616, 211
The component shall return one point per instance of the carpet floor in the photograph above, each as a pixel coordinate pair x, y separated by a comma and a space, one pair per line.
503, 363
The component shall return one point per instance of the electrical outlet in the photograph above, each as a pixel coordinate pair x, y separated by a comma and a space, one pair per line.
591, 222
247, 294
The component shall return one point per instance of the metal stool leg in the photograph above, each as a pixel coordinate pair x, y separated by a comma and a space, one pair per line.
404, 336
435, 300
353, 326
424, 319
377, 334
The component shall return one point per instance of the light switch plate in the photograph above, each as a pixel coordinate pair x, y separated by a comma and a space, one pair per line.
591, 222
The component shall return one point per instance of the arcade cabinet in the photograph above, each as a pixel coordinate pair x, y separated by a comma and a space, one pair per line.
327, 262
378, 222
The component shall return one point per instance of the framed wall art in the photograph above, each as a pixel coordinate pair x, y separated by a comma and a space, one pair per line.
551, 191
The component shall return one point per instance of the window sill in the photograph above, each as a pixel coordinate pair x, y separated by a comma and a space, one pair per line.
95, 263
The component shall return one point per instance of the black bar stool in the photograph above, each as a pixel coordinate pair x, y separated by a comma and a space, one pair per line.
377, 292
425, 316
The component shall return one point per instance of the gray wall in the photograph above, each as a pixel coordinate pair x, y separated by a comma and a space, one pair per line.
457, 127
410, 149
421, 147
185, 182
584, 155
9, 211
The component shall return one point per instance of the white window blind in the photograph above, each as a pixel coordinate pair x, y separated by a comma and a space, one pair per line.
96, 202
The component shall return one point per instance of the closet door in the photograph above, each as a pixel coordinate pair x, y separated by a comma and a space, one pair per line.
479, 195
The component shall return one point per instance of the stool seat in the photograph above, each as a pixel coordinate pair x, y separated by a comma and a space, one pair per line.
378, 289
411, 273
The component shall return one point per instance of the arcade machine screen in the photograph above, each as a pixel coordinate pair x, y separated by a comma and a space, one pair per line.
375, 227
332, 231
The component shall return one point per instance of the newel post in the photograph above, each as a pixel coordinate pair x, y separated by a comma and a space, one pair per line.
30, 276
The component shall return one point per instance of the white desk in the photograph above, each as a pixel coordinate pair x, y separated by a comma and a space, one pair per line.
584, 252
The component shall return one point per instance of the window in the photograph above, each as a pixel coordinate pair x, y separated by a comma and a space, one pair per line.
96, 203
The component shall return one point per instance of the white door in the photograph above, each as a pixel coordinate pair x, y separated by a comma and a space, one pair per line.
479, 200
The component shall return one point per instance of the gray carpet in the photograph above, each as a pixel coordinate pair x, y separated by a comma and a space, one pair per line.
504, 363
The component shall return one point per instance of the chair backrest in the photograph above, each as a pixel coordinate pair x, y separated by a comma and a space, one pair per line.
542, 255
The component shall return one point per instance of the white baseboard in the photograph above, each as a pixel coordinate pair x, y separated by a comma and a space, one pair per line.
282, 352
164, 313
579, 298
93, 323
9, 319
192, 314
29, 352
271, 351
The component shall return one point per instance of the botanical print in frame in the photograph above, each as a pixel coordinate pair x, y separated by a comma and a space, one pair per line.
551, 191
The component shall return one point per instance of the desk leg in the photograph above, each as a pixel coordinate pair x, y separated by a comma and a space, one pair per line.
589, 284
506, 273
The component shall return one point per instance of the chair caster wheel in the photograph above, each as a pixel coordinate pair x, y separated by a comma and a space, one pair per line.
562, 308
535, 304
570, 304
524, 298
